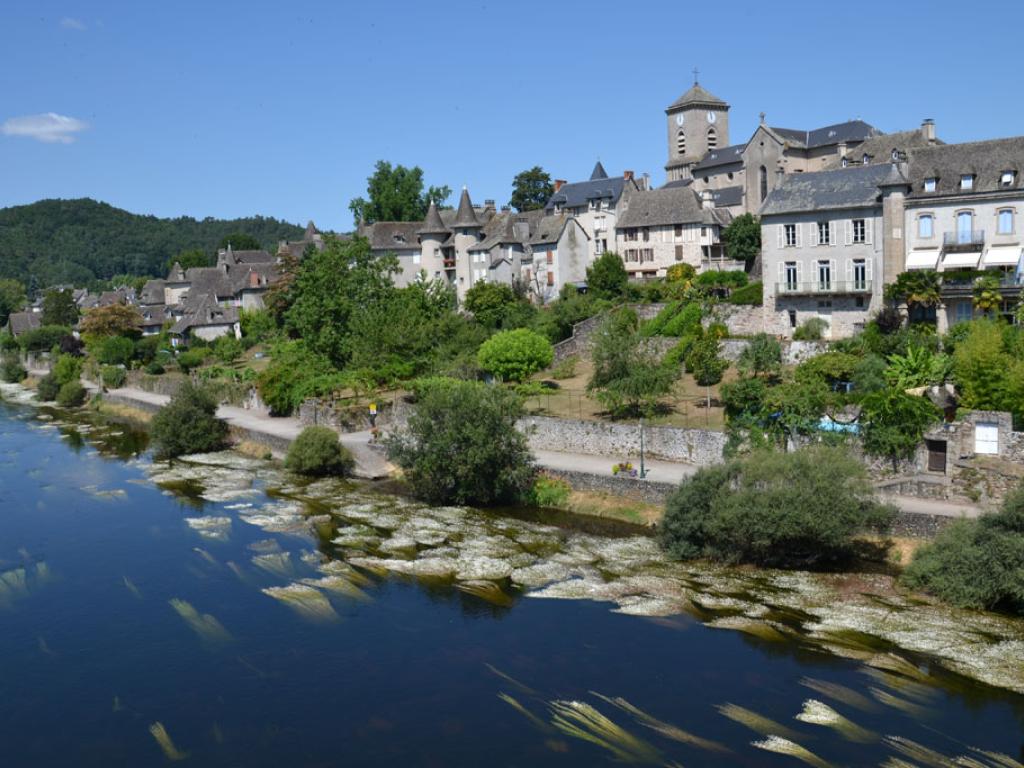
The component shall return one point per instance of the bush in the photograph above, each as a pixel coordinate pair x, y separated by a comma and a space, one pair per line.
461, 444
113, 376
295, 373
71, 395
257, 325
565, 369
761, 357
976, 563
12, 371
191, 358
606, 277
515, 355
227, 349
47, 388
155, 368
778, 509
114, 350
316, 451
43, 339
549, 492
685, 322
751, 294
188, 424
812, 329
66, 368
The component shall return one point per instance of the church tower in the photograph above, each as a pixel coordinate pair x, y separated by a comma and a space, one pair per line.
698, 121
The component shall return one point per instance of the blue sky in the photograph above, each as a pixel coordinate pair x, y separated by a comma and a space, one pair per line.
236, 108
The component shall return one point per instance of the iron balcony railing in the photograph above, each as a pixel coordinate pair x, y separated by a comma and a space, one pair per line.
818, 287
1010, 286
963, 239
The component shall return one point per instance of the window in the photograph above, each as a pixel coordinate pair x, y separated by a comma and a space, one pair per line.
551, 278
866, 159
703, 231
967, 181
646, 254
729, 174
790, 273
1005, 226
895, 155
679, 231
1006, 178
860, 274
964, 225
631, 254
860, 232
764, 182
845, 162
824, 275
680, 143
551, 257
930, 184
790, 233
925, 225
679, 253
646, 234
630, 234
824, 233
712, 138
792, 318
964, 311
416, 258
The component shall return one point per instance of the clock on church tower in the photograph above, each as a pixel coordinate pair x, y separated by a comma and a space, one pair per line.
698, 123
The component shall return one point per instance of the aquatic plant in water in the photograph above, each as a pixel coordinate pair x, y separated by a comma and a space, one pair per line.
487, 591
819, 713
914, 710
203, 624
164, 740
755, 722
306, 601
537, 722
840, 693
665, 729
276, 563
786, 747
582, 721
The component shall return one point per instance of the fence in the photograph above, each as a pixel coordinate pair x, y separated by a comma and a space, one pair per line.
681, 411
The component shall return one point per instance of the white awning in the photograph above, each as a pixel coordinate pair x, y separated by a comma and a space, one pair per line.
923, 259
966, 260
1002, 256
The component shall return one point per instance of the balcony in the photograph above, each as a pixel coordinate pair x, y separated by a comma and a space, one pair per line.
963, 240
818, 288
962, 286
449, 263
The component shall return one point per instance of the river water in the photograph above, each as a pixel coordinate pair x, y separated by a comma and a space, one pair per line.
156, 613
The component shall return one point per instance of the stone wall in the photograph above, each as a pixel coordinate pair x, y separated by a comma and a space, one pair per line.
165, 384
793, 352
626, 487
580, 342
741, 320
345, 417
699, 447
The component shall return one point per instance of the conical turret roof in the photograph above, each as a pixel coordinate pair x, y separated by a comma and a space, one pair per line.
432, 224
599, 172
465, 216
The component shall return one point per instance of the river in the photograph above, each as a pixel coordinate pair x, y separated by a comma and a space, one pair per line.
154, 613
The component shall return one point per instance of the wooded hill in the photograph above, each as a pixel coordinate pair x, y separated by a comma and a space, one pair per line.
79, 241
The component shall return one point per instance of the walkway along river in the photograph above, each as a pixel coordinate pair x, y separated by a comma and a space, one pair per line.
219, 611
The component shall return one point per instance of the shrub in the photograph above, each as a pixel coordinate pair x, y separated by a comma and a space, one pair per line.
461, 444
316, 451
778, 509
894, 423
43, 339
627, 377
685, 322
565, 369
66, 368
7, 342
515, 355
188, 424
761, 357
113, 376
751, 294
257, 325
549, 491
227, 349
114, 350
812, 329
155, 368
976, 563
606, 277
11, 370
191, 358
71, 395
48, 388
295, 373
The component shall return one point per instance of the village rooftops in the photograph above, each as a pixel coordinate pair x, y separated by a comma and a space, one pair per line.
720, 157
993, 166
854, 187
668, 205
23, 322
580, 193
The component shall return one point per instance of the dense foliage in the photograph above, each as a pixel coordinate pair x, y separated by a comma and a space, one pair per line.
188, 424
316, 451
778, 509
976, 563
515, 355
11, 369
295, 373
606, 277
894, 423
628, 377
79, 241
531, 189
461, 444
395, 193
12, 298
71, 395
59, 307
111, 320
742, 238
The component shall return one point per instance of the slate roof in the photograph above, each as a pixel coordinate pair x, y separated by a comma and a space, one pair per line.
22, 322
879, 148
501, 230
549, 229
465, 216
697, 95
154, 316
719, 157
580, 193
727, 196
177, 274
656, 207
204, 313
599, 172
851, 131
392, 235
853, 187
252, 257
152, 292
987, 160
432, 224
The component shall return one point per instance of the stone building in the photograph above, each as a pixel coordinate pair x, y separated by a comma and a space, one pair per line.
698, 123
595, 203
560, 252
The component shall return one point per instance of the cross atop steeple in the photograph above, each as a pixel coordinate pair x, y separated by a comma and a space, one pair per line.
695, 73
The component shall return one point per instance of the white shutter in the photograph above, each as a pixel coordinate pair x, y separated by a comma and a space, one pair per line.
832, 234
867, 269
848, 229
833, 270
799, 272
799, 236
849, 272
782, 273
869, 225
781, 231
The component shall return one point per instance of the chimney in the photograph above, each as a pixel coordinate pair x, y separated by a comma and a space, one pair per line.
559, 183
843, 149
645, 181
627, 175
928, 129
707, 199
779, 173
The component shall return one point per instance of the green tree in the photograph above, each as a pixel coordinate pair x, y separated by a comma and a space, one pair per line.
317, 452
239, 241
628, 378
395, 194
987, 377
59, 307
515, 355
761, 357
193, 257
295, 372
894, 422
742, 238
777, 509
461, 444
227, 349
531, 189
491, 303
330, 287
11, 369
12, 298
705, 363
71, 395
607, 278
188, 424
919, 287
114, 350
111, 320
987, 297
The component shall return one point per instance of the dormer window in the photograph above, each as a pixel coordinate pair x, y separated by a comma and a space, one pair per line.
399, 238
967, 182
1006, 178
930, 184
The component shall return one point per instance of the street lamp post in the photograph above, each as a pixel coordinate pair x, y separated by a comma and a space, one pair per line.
643, 471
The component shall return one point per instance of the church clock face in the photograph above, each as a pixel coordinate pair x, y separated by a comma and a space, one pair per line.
680, 119
712, 117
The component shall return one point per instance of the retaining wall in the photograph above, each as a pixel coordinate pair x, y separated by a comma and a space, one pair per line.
626, 487
582, 333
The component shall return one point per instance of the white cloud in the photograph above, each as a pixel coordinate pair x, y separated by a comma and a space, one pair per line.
69, 23
50, 127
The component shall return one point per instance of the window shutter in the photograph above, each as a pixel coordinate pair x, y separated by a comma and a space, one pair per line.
832, 234
868, 227
848, 232
782, 273
799, 236
867, 268
849, 272
799, 272
781, 231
